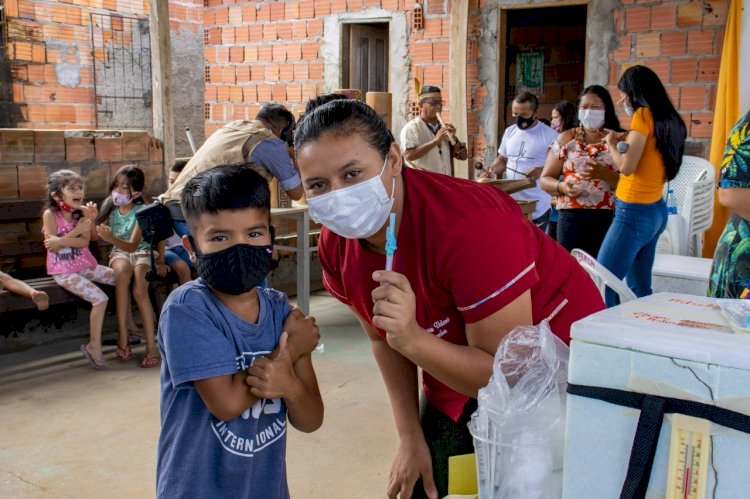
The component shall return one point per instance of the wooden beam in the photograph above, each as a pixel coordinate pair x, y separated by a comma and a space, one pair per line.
161, 79
459, 32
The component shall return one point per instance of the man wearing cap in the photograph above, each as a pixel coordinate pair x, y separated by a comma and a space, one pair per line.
426, 144
260, 144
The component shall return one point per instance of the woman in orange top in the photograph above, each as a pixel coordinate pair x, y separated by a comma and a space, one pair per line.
648, 155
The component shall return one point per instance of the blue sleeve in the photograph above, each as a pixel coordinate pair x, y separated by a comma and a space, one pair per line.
274, 156
194, 345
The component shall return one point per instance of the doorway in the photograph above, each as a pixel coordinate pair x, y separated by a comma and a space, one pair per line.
365, 57
542, 50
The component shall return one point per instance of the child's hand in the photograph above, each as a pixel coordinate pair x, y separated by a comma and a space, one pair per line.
105, 232
53, 244
82, 227
270, 379
90, 211
303, 333
162, 269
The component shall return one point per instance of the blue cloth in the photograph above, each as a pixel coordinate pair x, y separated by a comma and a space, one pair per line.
180, 228
630, 244
198, 454
273, 155
171, 255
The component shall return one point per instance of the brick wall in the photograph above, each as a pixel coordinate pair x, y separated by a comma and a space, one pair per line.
49, 61
681, 41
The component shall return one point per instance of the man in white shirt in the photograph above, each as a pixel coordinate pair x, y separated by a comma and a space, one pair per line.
523, 151
426, 144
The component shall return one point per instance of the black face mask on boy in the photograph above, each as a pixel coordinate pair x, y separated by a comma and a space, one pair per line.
234, 270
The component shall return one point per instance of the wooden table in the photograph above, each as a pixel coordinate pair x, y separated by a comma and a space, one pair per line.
510, 186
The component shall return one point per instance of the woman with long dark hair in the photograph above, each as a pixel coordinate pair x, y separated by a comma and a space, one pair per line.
563, 116
586, 191
647, 155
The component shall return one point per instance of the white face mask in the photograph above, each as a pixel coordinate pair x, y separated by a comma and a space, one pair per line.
626, 106
357, 211
591, 119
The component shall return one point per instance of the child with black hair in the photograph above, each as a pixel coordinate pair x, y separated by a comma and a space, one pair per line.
130, 258
70, 263
175, 256
236, 357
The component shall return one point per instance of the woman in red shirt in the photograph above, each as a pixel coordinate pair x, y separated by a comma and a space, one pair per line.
468, 269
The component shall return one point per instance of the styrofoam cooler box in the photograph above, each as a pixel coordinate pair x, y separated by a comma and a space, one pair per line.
670, 345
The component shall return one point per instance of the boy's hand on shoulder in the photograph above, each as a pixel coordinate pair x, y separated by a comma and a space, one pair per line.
303, 333
274, 378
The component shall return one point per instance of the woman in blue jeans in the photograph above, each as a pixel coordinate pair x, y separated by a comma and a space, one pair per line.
647, 155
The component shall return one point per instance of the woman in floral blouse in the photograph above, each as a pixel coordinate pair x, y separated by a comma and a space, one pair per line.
586, 192
730, 276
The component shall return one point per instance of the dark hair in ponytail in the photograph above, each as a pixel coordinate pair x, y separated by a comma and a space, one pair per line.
644, 89
345, 118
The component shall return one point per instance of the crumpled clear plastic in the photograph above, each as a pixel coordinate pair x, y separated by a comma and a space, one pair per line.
519, 425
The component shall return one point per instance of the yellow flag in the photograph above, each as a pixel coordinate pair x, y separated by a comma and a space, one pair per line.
726, 114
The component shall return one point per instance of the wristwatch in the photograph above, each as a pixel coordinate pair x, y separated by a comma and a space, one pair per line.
622, 147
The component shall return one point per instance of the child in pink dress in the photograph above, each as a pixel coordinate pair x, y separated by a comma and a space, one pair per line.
69, 261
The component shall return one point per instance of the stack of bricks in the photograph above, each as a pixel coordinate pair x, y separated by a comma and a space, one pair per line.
27, 157
49, 57
681, 41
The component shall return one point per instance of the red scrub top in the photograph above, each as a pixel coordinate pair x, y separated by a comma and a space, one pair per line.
467, 251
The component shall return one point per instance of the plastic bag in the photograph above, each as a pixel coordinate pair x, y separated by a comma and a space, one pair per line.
519, 425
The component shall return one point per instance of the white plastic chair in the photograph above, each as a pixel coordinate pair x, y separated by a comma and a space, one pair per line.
693, 191
602, 277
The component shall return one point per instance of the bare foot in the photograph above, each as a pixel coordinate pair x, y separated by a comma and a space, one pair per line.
41, 299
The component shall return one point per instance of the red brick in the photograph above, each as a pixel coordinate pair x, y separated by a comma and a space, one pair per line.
440, 51
235, 15
223, 93
256, 32
286, 72
277, 11
692, 97
49, 146
242, 34
708, 69
17, 146
684, 70
291, 10
421, 52
663, 17
59, 114
258, 73
293, 52
310, 50
235, 93
214, 36
269, 32
79, 149
354, 5
690, 14
279, 52
648, 45
265, 53
221, 16
638, 19
701, 42
673, 43
716, 12
9, 182
338, 6
433, 75
315, 28
306, 9
322, 7
227, 35
299, 29
209, 93
135, 146
243, 74
284, 31
271, 72
316, 70
228, 75
248, 13
294, 92
436, 7
702, 125
623, 51
660, 67
674, 94
32, 182
236, 54
309, 91
108, 149
264, 93
278, 93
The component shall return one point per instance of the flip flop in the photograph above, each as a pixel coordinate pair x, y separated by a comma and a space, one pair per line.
94, 363
124, 354
149, 362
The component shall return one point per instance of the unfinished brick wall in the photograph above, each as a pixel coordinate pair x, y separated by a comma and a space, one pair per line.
27, 157
49, 61
681, 41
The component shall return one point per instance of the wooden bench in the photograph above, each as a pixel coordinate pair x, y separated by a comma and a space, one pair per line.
10, 302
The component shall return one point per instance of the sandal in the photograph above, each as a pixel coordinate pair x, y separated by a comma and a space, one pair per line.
149, 362
124, 354
99, 363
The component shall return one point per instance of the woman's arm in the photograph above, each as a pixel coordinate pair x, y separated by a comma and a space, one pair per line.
465, 369
553, 167
737, 200
626, 162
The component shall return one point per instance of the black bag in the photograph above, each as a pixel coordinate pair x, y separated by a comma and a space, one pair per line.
155, 223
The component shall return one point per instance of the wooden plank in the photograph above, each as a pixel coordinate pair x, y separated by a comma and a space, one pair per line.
161, 77
459, 32
10, 302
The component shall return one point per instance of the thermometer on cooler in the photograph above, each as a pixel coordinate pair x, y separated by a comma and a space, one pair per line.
689, 455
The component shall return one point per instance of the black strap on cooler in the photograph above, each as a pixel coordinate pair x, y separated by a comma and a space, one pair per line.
650, 421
